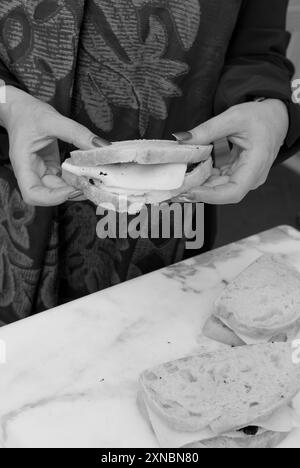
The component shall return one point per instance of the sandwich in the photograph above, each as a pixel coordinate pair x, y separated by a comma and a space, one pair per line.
128, 175
260, 305
234, 398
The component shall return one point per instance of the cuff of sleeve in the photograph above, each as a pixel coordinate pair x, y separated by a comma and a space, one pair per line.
293, 135
294, 130
7, 79
292, 141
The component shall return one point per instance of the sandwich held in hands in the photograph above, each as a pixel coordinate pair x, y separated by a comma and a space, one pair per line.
139, 172
260, 305
233, 398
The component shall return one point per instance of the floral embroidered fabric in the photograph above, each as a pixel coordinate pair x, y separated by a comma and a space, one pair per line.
126, 69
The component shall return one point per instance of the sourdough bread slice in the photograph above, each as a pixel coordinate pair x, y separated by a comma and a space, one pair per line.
226, 390
142, 152
263, 439
263, 301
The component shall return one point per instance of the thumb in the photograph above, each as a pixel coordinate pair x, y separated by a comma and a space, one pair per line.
222, 126
72, 132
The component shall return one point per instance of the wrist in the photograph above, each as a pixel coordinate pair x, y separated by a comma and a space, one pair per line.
279, 111
11, 106
281, 108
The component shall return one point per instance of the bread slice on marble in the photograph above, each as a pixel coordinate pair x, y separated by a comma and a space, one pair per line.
226, 391
262, 304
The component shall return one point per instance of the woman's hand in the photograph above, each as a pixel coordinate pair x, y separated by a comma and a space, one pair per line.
34, 129
256, 131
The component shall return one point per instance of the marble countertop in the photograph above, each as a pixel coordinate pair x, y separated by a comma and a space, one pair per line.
70, 377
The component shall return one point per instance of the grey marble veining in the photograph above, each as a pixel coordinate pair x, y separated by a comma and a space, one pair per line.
71, 373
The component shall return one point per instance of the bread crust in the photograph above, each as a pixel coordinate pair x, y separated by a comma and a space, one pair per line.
225, 390
264, 301
143, 152
267, 440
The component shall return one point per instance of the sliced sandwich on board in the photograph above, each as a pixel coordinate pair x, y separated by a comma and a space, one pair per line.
235, 398
260, 305
138, 173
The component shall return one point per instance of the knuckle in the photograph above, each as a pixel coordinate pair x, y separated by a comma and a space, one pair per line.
28, 199
235, 112
73, 135
237, 197
264, 179
77, 133
257, 185
240, 197
202, 130
43, 121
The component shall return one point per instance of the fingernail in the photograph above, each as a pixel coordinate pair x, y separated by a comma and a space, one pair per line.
184, 198
188, 196
183, 136
99, 142
187, 200
53, 172
75, 194
58, 172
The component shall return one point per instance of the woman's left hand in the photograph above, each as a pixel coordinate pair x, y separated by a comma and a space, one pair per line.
257, 131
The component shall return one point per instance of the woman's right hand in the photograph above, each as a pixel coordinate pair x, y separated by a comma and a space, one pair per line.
34, 129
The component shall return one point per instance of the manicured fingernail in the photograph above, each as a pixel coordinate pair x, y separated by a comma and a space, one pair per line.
53, 172
99, 142
75, 194
183, 136
184, 200
58, 172
188, 196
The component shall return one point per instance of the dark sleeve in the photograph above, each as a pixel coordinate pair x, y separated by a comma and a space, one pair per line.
257, 66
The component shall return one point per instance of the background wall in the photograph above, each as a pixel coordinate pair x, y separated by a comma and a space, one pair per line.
278, 201
294, 27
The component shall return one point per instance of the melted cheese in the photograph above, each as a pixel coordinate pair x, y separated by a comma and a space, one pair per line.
134, 177
283, 420
248, 339
169, 438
